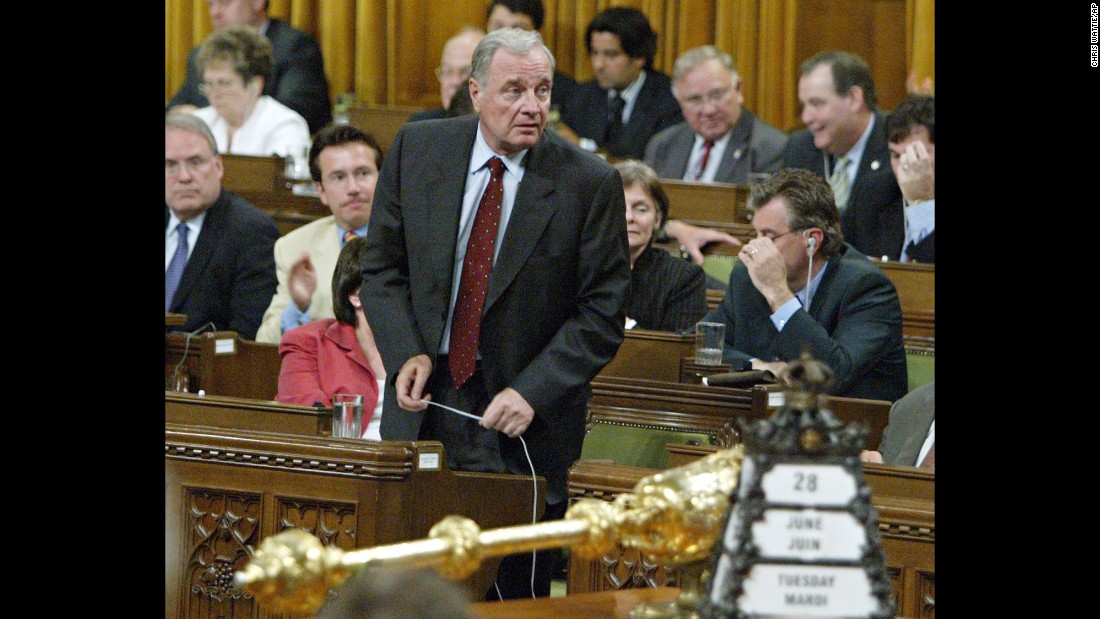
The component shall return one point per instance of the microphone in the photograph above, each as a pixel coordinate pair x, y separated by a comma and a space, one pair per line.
811, 242
186, 349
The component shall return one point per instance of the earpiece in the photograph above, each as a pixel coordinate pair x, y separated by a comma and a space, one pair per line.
811, 242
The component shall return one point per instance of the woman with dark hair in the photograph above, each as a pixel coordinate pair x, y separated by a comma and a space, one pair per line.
336, 355
666, 293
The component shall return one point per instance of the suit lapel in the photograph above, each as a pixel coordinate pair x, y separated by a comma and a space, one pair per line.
530, 215
874, 157
681, 149
213, 226
446, 184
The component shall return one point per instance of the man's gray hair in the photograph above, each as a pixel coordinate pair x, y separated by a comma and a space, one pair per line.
512, 39
192, 123
697, 56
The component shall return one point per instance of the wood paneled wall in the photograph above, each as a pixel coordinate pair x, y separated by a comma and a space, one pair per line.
385, 51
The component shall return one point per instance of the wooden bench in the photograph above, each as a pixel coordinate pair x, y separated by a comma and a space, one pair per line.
228, 489
262, 181
707, 203
381, 121
904, 498
221, 363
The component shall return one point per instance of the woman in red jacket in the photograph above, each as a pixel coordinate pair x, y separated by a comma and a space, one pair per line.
336, 355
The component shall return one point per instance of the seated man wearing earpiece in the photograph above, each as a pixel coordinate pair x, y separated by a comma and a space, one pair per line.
799, 285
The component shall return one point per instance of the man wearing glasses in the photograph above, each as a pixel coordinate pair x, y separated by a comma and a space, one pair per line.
218, 248
719, 141
798, 285
453, 69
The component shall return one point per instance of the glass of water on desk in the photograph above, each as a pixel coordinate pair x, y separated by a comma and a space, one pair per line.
710, 338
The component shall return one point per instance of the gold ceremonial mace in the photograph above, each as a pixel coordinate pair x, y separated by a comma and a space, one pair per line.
672, 517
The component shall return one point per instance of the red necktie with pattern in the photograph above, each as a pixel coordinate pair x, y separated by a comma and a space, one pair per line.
466, 326
703, 163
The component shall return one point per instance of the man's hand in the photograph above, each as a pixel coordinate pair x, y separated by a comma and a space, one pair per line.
302, 282
410, 383
767, 271
916, 178
694, 238
873, 457
509, 412
775, 367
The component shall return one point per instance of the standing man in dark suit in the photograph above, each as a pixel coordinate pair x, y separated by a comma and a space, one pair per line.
720, 141
298, 78
629, 101
219, 249
799, 284
844, 129
551, 302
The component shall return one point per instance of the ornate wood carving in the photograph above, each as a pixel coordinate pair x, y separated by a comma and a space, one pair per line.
224, 531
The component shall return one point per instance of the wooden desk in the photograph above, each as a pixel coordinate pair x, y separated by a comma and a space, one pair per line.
602, 605
174, 320
713, 203
381, 121
262, 181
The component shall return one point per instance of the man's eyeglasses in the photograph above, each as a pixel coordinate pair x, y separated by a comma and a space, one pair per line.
715, 96
774, 237
443, 72
220, 87
194, 165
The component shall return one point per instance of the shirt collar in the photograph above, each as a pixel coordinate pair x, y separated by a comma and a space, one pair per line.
481, 154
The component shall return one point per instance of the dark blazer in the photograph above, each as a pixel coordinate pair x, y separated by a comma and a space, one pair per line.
910, 418
230, 277
565, 87
873, 218
297, 80
881, 231
854, 326
754, 146
553, 314
434, 113
666, 293
656, 108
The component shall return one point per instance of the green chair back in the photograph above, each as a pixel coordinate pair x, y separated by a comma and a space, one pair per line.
634, 446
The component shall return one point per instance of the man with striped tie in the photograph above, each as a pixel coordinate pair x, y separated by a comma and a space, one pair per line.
344, 163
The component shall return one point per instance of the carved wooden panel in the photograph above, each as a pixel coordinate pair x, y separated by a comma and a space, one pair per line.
224, 531
926, 594
331, 522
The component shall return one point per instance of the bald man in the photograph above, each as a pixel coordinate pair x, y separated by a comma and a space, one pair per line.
453, 69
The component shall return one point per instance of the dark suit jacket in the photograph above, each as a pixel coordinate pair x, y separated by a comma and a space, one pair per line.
297, 80
910, 418
230, 277
873, 219
881, 231
553, 314
434, 113
666, 293
854, 326
655, 109
760, 144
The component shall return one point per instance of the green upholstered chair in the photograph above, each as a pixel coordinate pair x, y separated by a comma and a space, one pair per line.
636, 446
920, 360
